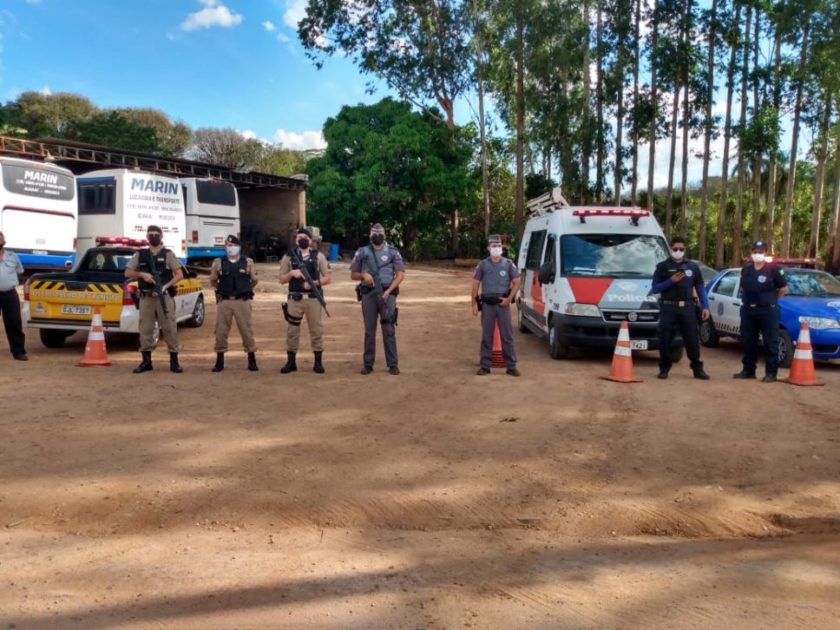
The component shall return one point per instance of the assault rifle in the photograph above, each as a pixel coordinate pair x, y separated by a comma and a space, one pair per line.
158, 284
319, 294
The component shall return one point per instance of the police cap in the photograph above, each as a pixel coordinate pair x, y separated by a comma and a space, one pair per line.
232, 239
377, 227
760, 245
154, 228
305, 230
494, 238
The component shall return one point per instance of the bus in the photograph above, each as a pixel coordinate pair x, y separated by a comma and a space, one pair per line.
38, 213
124, 202
212, 209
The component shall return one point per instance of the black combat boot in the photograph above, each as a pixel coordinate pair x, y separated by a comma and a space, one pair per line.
318, 367
252, 362
291, 364
173, 363
220, 362
146, 363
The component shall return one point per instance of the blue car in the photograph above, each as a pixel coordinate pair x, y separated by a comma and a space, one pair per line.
813, 296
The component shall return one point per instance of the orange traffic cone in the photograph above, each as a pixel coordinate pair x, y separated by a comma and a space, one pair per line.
802, 368
497, 359
95, 353
621, 369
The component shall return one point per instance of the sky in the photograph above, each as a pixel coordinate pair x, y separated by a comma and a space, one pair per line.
211, 63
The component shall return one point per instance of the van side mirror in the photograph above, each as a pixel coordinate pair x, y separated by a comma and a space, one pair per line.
546, 273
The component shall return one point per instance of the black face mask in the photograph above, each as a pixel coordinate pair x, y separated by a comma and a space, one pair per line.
377, 239
154, 239
303, 243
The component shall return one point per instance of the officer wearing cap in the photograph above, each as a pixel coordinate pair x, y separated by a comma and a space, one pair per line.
145, 266
676, 280
302, 300
380, 269
498, 279
10, 269
234, 279
762, 285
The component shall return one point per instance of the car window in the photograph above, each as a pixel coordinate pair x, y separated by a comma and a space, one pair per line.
812, 284
726, 285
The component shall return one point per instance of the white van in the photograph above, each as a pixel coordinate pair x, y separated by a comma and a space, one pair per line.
587, 269
212, 211
123, 203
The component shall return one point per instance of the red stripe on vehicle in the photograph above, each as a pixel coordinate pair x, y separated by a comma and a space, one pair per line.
589, 290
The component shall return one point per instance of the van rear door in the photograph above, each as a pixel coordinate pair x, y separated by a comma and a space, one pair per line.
533, 293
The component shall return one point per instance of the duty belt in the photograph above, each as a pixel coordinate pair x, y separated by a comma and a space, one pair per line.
234, 297
761, 305
680, 303
297, 297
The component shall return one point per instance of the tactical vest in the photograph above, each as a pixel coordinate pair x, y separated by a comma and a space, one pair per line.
684, 289
234, 279
145, 264
296, 284
384, 268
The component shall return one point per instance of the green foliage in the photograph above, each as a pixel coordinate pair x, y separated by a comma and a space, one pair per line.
111, 129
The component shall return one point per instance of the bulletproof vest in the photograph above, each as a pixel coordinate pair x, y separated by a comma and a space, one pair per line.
757, 286
684, 289
382, 262
145, 264
234, 279
496, 278
296, 284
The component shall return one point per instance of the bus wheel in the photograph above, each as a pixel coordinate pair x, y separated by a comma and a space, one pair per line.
197, 318
54, 338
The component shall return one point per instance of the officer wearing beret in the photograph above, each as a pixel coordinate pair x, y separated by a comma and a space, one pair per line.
676, 280
234, 279
498, 280
762, 285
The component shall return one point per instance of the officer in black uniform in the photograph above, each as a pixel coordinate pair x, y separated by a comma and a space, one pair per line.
676, 280
762, 285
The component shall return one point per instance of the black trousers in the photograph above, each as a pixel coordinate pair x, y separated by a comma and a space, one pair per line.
763, 319
671, 317
10, 305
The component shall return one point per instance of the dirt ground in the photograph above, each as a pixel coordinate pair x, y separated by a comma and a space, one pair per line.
433, 499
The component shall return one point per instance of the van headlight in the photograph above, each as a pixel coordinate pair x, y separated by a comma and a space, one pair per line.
819, 323
582, 310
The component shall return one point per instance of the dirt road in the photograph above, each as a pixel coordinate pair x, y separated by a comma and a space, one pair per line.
433, 499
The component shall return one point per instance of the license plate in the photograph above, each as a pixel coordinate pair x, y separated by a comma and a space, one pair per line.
75, 309
638, 344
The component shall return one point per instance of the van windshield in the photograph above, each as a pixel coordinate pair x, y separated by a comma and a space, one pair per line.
611, 255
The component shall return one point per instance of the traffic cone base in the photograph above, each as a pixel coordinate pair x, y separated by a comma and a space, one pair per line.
95, 353
802, 368
621, 369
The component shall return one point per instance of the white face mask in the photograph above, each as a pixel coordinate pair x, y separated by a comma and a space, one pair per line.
233, 250
758, 257
677, 255
495, 251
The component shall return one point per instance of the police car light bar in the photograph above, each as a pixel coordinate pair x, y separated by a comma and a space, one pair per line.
121, 240
633, 214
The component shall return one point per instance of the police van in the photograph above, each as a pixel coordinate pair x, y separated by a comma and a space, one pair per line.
585, 270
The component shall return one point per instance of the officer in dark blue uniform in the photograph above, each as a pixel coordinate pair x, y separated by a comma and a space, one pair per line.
676, 280
762, 285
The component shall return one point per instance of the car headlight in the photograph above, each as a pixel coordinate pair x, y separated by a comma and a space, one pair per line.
583, 310
819, 323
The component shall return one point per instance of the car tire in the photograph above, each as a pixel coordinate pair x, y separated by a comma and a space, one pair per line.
677, 354
556, 348
708, 334
198, 314
54, 338
785, 348
520, 318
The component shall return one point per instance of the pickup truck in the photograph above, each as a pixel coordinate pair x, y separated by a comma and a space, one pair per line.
60, 303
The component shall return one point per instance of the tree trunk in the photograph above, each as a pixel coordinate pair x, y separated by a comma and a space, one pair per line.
586, 121
756, 165
520, 122
770, 234
833, 257
485, 179
619, 130
800, 84
686, 34
738, 219
600, 148
634, 174
654, 96
707, 135
669, 194
819, 181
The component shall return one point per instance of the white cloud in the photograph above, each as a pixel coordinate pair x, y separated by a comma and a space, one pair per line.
282, 37
300, 141
46, 91
248, 134
269, 26
295, 12
213, 14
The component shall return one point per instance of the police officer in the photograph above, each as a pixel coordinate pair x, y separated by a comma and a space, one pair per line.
380, 269
676, 280
498, 279
762, 285
302, 300
234, 279
145, 266
10, 269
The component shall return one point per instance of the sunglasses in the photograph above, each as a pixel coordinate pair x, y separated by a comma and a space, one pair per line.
678, 249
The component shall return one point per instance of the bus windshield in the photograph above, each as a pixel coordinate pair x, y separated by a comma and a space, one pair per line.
611, 255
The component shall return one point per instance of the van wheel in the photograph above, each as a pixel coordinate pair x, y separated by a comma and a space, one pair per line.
54, 338
677, 354
785, 348
521, 320
556, 348
197, 318
708, 334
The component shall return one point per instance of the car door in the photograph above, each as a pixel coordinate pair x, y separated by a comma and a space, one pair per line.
725, 303
533, 297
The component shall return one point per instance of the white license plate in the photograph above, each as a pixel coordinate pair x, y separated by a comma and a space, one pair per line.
638, 344
75, 309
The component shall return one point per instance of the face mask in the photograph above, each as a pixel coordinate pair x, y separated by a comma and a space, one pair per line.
154, 239
377, 239
495, 251
758, 257
303, 243
677, 255
233, 250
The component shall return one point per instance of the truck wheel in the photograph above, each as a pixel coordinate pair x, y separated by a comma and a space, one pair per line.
556, 348
54, 338
197, 318
521, 321
677, 354
785, 348
708, 334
